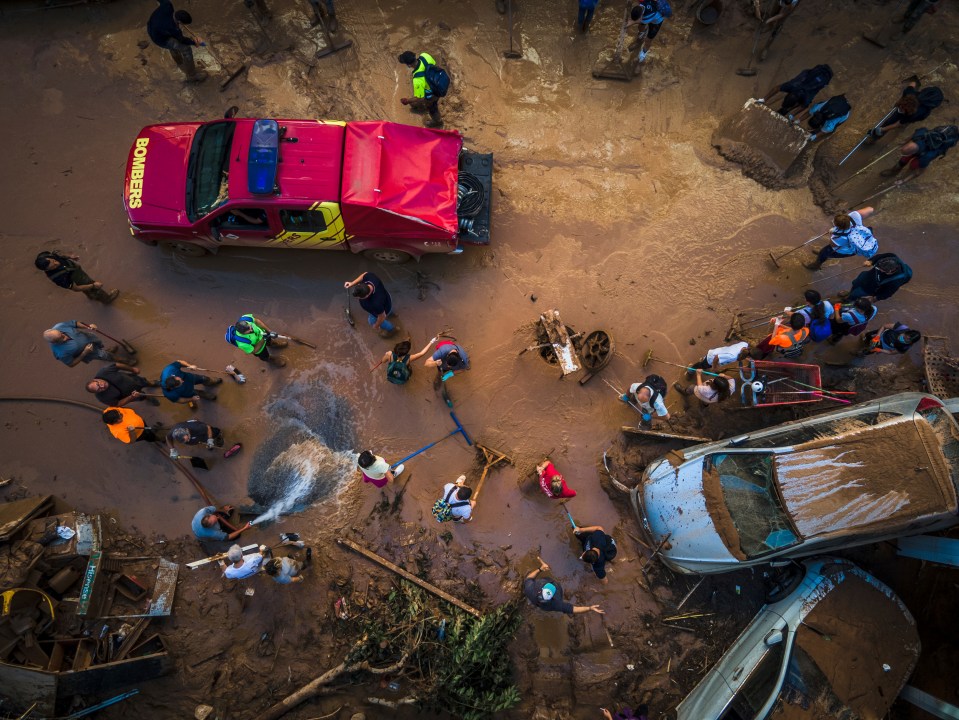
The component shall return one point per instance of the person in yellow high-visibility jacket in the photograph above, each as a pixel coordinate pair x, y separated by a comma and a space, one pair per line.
423, 97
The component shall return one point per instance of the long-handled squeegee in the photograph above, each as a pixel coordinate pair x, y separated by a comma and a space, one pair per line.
459, 429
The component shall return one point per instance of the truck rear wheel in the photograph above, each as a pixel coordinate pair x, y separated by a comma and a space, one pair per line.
184, 249
390, 257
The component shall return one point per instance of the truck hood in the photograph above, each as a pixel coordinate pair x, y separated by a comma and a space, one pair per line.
154, 190
674, 504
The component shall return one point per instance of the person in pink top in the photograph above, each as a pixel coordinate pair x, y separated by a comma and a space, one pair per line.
552, 483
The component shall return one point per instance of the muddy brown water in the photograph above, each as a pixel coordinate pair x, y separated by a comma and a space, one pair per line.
609, 204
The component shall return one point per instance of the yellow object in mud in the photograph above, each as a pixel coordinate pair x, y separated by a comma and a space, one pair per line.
9, 595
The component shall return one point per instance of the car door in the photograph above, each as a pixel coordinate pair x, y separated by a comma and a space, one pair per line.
241, 225
754, 668
319, 225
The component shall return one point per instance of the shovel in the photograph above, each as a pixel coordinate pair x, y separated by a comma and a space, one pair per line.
125, 344
196, 462
349, 310
749, 70
511, 54
298, 341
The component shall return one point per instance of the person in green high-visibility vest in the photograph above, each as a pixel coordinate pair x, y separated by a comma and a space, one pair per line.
253, 337
423, 96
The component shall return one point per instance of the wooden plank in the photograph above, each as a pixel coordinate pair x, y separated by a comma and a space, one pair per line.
221, 556
630, 430
130, 640
369, 555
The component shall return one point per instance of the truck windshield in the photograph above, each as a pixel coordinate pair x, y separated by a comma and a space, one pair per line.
749, 492
206, 179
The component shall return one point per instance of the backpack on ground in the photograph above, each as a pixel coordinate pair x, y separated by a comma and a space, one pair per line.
398, 370
438, 80
665, 9
443, 509
657, 386
930, 97
833, 108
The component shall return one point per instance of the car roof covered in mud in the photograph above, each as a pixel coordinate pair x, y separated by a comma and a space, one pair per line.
878, 477
854, 649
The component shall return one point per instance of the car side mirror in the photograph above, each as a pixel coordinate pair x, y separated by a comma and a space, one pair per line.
774, 638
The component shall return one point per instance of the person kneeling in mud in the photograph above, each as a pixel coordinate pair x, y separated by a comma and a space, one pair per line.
286, 570
399, 362
825, 117
598, 549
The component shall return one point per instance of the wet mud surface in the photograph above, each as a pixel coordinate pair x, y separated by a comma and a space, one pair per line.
610, 204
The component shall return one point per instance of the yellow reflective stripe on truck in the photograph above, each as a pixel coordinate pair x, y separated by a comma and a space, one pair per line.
334, 234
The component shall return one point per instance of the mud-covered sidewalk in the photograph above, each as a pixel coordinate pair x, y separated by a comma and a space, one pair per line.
610, 204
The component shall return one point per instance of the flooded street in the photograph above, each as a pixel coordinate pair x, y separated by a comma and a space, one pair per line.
609, 204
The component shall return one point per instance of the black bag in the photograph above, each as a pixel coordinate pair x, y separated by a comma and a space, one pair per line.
937, 140
438, 80
833, 108
657, 385
930, 97
809, 82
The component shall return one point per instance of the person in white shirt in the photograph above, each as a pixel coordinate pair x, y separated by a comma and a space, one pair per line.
460, 504
243, 566
849, 237
717, 357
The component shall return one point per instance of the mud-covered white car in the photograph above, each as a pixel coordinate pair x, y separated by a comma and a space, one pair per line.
841, 644
861, 474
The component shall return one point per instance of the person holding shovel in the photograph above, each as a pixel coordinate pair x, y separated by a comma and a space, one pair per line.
212, 524
848, 237
784, 8
126, 426
64, 271
119, 384
375, 299
179, 386
164, 30
546, 593
192, 433
254, 338
71, 344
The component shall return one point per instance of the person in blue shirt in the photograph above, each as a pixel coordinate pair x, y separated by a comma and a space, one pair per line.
647, 15
179, 386
208, 524
826, 116
587, 8
71, 344
375, 299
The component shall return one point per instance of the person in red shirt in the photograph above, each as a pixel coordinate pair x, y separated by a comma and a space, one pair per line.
552, 483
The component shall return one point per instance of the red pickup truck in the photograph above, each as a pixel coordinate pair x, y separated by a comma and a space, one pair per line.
390, 191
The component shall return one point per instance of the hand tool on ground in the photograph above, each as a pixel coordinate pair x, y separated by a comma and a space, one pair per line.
206, 47
196, 462
657, 551
331, 47
377, 365
896, 184
233, 450
491, 458
866, 137
459, 429
511, 54
830, 277
348, 310
749, 70
121, 342
571, 521
294, 338
789, 252
617, 68
207, 497
864, 168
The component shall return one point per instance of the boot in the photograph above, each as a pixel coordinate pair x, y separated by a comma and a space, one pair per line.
278, 342
188, 66
277, 361
814, 265
215, 381
333, 25
206, 395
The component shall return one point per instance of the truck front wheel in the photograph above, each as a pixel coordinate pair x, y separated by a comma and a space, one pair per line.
184, 249
384, 255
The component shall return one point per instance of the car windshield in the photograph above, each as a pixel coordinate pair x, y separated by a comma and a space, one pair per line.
749, 493
206, 180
